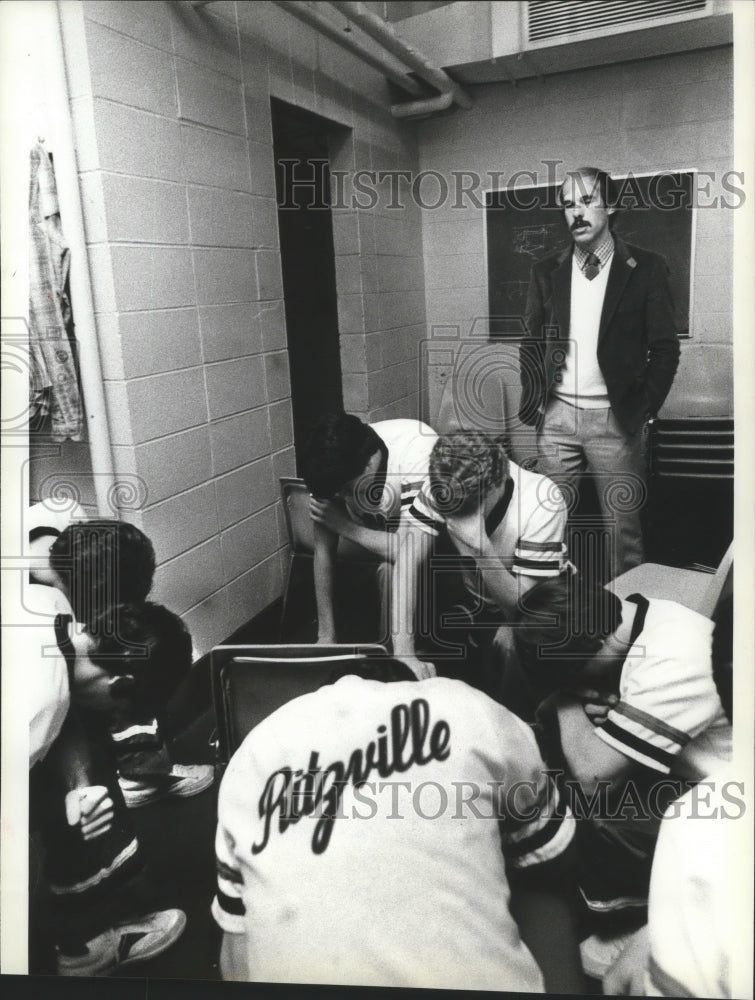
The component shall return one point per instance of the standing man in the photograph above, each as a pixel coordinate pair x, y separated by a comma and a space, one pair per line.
599, 358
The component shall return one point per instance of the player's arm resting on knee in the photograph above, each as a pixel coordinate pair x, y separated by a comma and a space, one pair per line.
88, 805
333, 516
412, 552
500, 582
69, 756
326, 543
588, 758
379, 543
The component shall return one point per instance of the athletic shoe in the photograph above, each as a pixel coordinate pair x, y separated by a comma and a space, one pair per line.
599, 953
183, 781
125, 943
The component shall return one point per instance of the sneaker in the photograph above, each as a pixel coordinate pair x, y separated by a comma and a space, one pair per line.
127, 942
599, 953
183, 781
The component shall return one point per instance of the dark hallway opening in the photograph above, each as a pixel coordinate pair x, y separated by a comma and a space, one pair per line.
305, 225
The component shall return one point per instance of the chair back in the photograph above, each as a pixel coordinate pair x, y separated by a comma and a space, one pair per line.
251, 682
700, 591
295, 497
720, 585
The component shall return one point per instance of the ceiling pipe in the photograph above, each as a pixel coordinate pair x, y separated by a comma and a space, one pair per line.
311, 17
377, 28
416, 109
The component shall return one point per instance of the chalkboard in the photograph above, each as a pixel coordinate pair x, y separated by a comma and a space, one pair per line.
524, 225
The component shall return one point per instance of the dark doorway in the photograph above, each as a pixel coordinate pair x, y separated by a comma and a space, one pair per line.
308, 262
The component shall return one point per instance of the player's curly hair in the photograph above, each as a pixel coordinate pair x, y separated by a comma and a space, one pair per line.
338, 449
102, 563
464, 467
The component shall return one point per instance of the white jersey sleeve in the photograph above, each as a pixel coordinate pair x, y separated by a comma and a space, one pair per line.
46, 514
541, 549
47, 690
228, 905
667, 691
421, 513
535, 827
692, 922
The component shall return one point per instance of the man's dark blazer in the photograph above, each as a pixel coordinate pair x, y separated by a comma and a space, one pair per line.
638, 347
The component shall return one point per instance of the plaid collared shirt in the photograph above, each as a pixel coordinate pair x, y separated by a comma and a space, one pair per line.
603, 252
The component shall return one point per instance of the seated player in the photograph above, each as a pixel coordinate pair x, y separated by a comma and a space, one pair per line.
509, 522
688, 947
92, 860
135, 658
399, 834
362, 478
662, 724
96, 564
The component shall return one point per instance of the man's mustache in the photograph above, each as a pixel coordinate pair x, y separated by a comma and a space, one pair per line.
579, 225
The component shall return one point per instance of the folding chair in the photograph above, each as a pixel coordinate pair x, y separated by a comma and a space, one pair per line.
301, 543
251, 682
695, 589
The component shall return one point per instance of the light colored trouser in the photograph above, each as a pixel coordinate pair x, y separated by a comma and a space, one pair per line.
573, 441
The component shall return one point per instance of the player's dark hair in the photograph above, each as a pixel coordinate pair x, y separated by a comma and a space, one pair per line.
385, 669
563, 622
102, 563
338, 449
464, 467
607, 187
150, 644
722, 652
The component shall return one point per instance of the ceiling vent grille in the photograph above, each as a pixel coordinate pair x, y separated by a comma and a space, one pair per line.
548, 19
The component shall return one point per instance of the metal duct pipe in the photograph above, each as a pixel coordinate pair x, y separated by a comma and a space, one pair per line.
311, 17
416, 109
376, 28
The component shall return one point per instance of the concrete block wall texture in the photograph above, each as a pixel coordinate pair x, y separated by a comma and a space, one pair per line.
660, 114
172, 123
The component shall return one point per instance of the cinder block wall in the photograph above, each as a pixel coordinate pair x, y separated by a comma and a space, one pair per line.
171, 111
665, 113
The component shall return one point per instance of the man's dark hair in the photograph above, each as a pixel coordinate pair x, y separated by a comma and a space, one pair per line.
385, 669
102, 563
338, 449
150, 644
722, 652
464, 467
606, 185
563, 623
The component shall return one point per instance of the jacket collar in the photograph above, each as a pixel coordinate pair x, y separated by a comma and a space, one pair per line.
621, 267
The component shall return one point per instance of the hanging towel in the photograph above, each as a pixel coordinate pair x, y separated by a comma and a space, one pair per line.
54, 381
